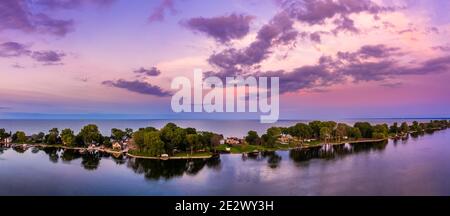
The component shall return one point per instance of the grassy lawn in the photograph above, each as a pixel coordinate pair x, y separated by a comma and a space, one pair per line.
194, 154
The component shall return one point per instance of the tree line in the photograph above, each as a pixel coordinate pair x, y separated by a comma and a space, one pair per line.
172, 138
332, 131
169, 139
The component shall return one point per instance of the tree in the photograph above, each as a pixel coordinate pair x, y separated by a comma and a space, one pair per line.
416, 127
193, 141
67, 136
173, 137
129, 132
380, 131
252, 138
342, 130
355, 133
106, 141
190, 130
215, 140
19, 137
117, 134
315, 127
52, 137
270, 138
404, 128
365, 128
325, 133
90, 134
37, 138
301, 131
153, 143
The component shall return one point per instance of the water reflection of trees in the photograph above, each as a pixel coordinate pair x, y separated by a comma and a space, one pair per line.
328, 152
273, 159
167, 169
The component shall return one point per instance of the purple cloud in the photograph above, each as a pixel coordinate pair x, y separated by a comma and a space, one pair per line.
22, 15
149, 72
222, 28
445, 48
46, 24
315, 37
279, 31
71, 4
369, 63
49, 57
13, 49
317, 11
138, 87
18, 15
369, 51
158, 14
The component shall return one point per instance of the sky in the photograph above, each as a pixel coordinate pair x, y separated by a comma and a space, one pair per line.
116, 58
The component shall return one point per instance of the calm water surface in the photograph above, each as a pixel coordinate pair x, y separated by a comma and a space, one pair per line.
417, 166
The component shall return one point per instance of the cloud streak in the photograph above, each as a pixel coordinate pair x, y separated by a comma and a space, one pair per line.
25, 16
153, 71
14, 49
138, 87
158, 14
222, 28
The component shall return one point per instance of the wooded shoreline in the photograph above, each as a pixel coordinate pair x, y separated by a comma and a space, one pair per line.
173, 142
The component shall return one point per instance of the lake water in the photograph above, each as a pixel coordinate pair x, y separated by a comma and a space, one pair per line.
416, 166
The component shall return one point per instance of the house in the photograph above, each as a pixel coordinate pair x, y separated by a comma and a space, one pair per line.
6, 140
116, 146
222, 141
309, 140
234, 141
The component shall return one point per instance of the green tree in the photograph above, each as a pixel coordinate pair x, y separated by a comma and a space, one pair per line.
215, 141
325, 133
129, 132
270, 138
153, 143
253, 138
342, 130
394, 128
380, 131
117, 134
416, 127
106, 141
355, 133
193, 141
301, 131
19, 137
173, 137
90, 134
365, 128
315, 127
404, 128
67, 137
52, 136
